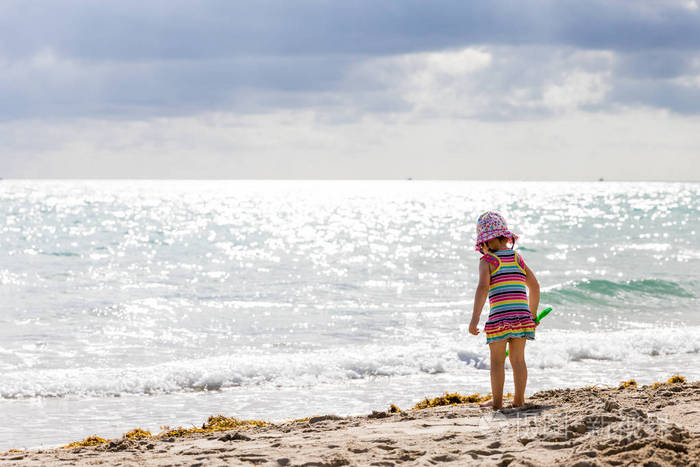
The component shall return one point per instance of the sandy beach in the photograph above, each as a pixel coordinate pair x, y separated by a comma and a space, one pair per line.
626, 425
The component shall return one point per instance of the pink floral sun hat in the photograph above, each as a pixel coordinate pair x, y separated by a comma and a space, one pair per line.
491, 225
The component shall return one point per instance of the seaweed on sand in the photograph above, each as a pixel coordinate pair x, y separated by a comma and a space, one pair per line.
137, 433
675, 379
450, 399
11, 451
627, 384
89, 441
221, 423
213, 424
177, 432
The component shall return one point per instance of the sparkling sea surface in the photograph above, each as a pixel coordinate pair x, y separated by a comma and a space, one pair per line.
130, 304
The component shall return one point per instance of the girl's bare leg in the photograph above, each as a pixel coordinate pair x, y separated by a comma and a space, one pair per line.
498, 361
517, 361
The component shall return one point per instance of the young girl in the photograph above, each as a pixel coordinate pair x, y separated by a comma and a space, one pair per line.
504, 278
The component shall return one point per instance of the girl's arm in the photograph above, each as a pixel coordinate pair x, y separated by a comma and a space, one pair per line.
534, 289
482, 292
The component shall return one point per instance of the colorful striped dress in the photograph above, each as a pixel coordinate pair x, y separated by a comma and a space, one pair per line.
509, 315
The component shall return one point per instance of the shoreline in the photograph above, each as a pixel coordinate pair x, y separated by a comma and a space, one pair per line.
592, 425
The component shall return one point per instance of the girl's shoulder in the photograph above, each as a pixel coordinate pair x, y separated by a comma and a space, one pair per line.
491, 259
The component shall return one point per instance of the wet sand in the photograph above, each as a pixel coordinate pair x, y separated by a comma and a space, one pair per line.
584, 427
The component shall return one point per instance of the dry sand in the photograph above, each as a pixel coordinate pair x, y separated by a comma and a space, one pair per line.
583, 427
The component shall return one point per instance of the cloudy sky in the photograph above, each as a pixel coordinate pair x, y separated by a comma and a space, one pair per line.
446, 89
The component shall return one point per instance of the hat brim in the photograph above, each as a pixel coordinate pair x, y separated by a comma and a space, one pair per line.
494, 234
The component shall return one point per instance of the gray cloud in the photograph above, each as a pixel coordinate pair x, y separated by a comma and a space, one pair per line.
172, 29
132, 59
51, 86
666, 95
656, 64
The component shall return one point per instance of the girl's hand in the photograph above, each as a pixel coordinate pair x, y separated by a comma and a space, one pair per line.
473, 328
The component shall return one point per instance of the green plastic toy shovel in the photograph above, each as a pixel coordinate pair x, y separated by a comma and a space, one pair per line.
542, 314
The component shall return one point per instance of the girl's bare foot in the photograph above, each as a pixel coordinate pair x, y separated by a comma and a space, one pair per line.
490, 404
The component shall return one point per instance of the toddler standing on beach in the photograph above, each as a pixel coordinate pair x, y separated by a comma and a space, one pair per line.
505, 279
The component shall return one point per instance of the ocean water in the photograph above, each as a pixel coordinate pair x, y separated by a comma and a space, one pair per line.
130, 304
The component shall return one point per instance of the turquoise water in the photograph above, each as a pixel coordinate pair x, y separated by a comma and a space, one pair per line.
154, 303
